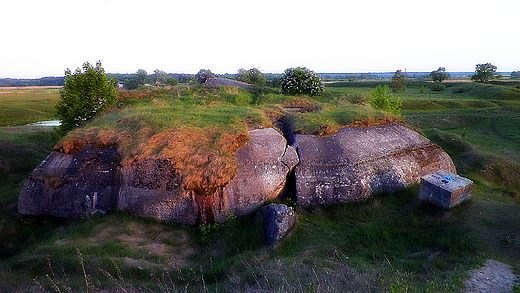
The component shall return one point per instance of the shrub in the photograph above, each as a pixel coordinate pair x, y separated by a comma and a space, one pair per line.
437, 87
382, 100
300, 80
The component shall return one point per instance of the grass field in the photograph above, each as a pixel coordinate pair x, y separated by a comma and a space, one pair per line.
22, 106
390, 243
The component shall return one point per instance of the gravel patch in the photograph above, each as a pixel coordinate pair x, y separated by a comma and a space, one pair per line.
493, 277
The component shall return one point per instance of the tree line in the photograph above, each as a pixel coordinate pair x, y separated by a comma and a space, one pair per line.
23, 82
483, 73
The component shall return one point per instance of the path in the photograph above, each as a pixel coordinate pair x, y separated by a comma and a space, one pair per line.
493, 277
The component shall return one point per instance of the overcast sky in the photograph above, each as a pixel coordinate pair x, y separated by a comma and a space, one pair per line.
44, 37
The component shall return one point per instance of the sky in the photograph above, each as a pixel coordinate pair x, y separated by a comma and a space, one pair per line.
44, 37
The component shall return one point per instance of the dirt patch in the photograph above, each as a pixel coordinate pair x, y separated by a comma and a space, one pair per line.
493, 277
371, 122
300, 105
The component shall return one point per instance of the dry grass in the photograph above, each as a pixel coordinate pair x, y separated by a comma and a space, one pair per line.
204, 157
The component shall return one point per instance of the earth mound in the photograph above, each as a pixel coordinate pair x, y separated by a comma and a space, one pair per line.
217, 81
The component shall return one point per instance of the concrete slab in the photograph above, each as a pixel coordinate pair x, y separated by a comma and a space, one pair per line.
445, 189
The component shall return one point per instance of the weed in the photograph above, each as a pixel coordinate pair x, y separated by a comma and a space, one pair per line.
382, 100
508, 241
209, 232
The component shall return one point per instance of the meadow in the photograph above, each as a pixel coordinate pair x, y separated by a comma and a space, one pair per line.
27, 105
390, 243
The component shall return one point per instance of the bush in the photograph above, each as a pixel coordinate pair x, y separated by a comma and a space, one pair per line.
437, 87
86, 94
300, 80
382, 100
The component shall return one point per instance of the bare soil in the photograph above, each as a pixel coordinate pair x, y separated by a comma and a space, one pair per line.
493, 277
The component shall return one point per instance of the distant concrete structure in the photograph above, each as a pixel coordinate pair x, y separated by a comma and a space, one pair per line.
445, 189
217, 81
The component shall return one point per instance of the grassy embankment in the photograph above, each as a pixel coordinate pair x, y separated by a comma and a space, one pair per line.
390, 243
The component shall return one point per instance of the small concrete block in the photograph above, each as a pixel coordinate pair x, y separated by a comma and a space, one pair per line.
278, 219
445, 189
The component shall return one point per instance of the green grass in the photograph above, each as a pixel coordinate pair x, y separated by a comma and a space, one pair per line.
332, 116
484, 143
202, 107
390, 243
23, 106
392, 232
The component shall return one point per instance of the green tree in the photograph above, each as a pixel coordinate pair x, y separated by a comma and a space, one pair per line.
398, 82
204, 74
186, 78
300, 80
484, 72
382, 100
172, 81
161, 78
131, 84
439, 75
252, 76
276, 81
142, 76
86, 93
